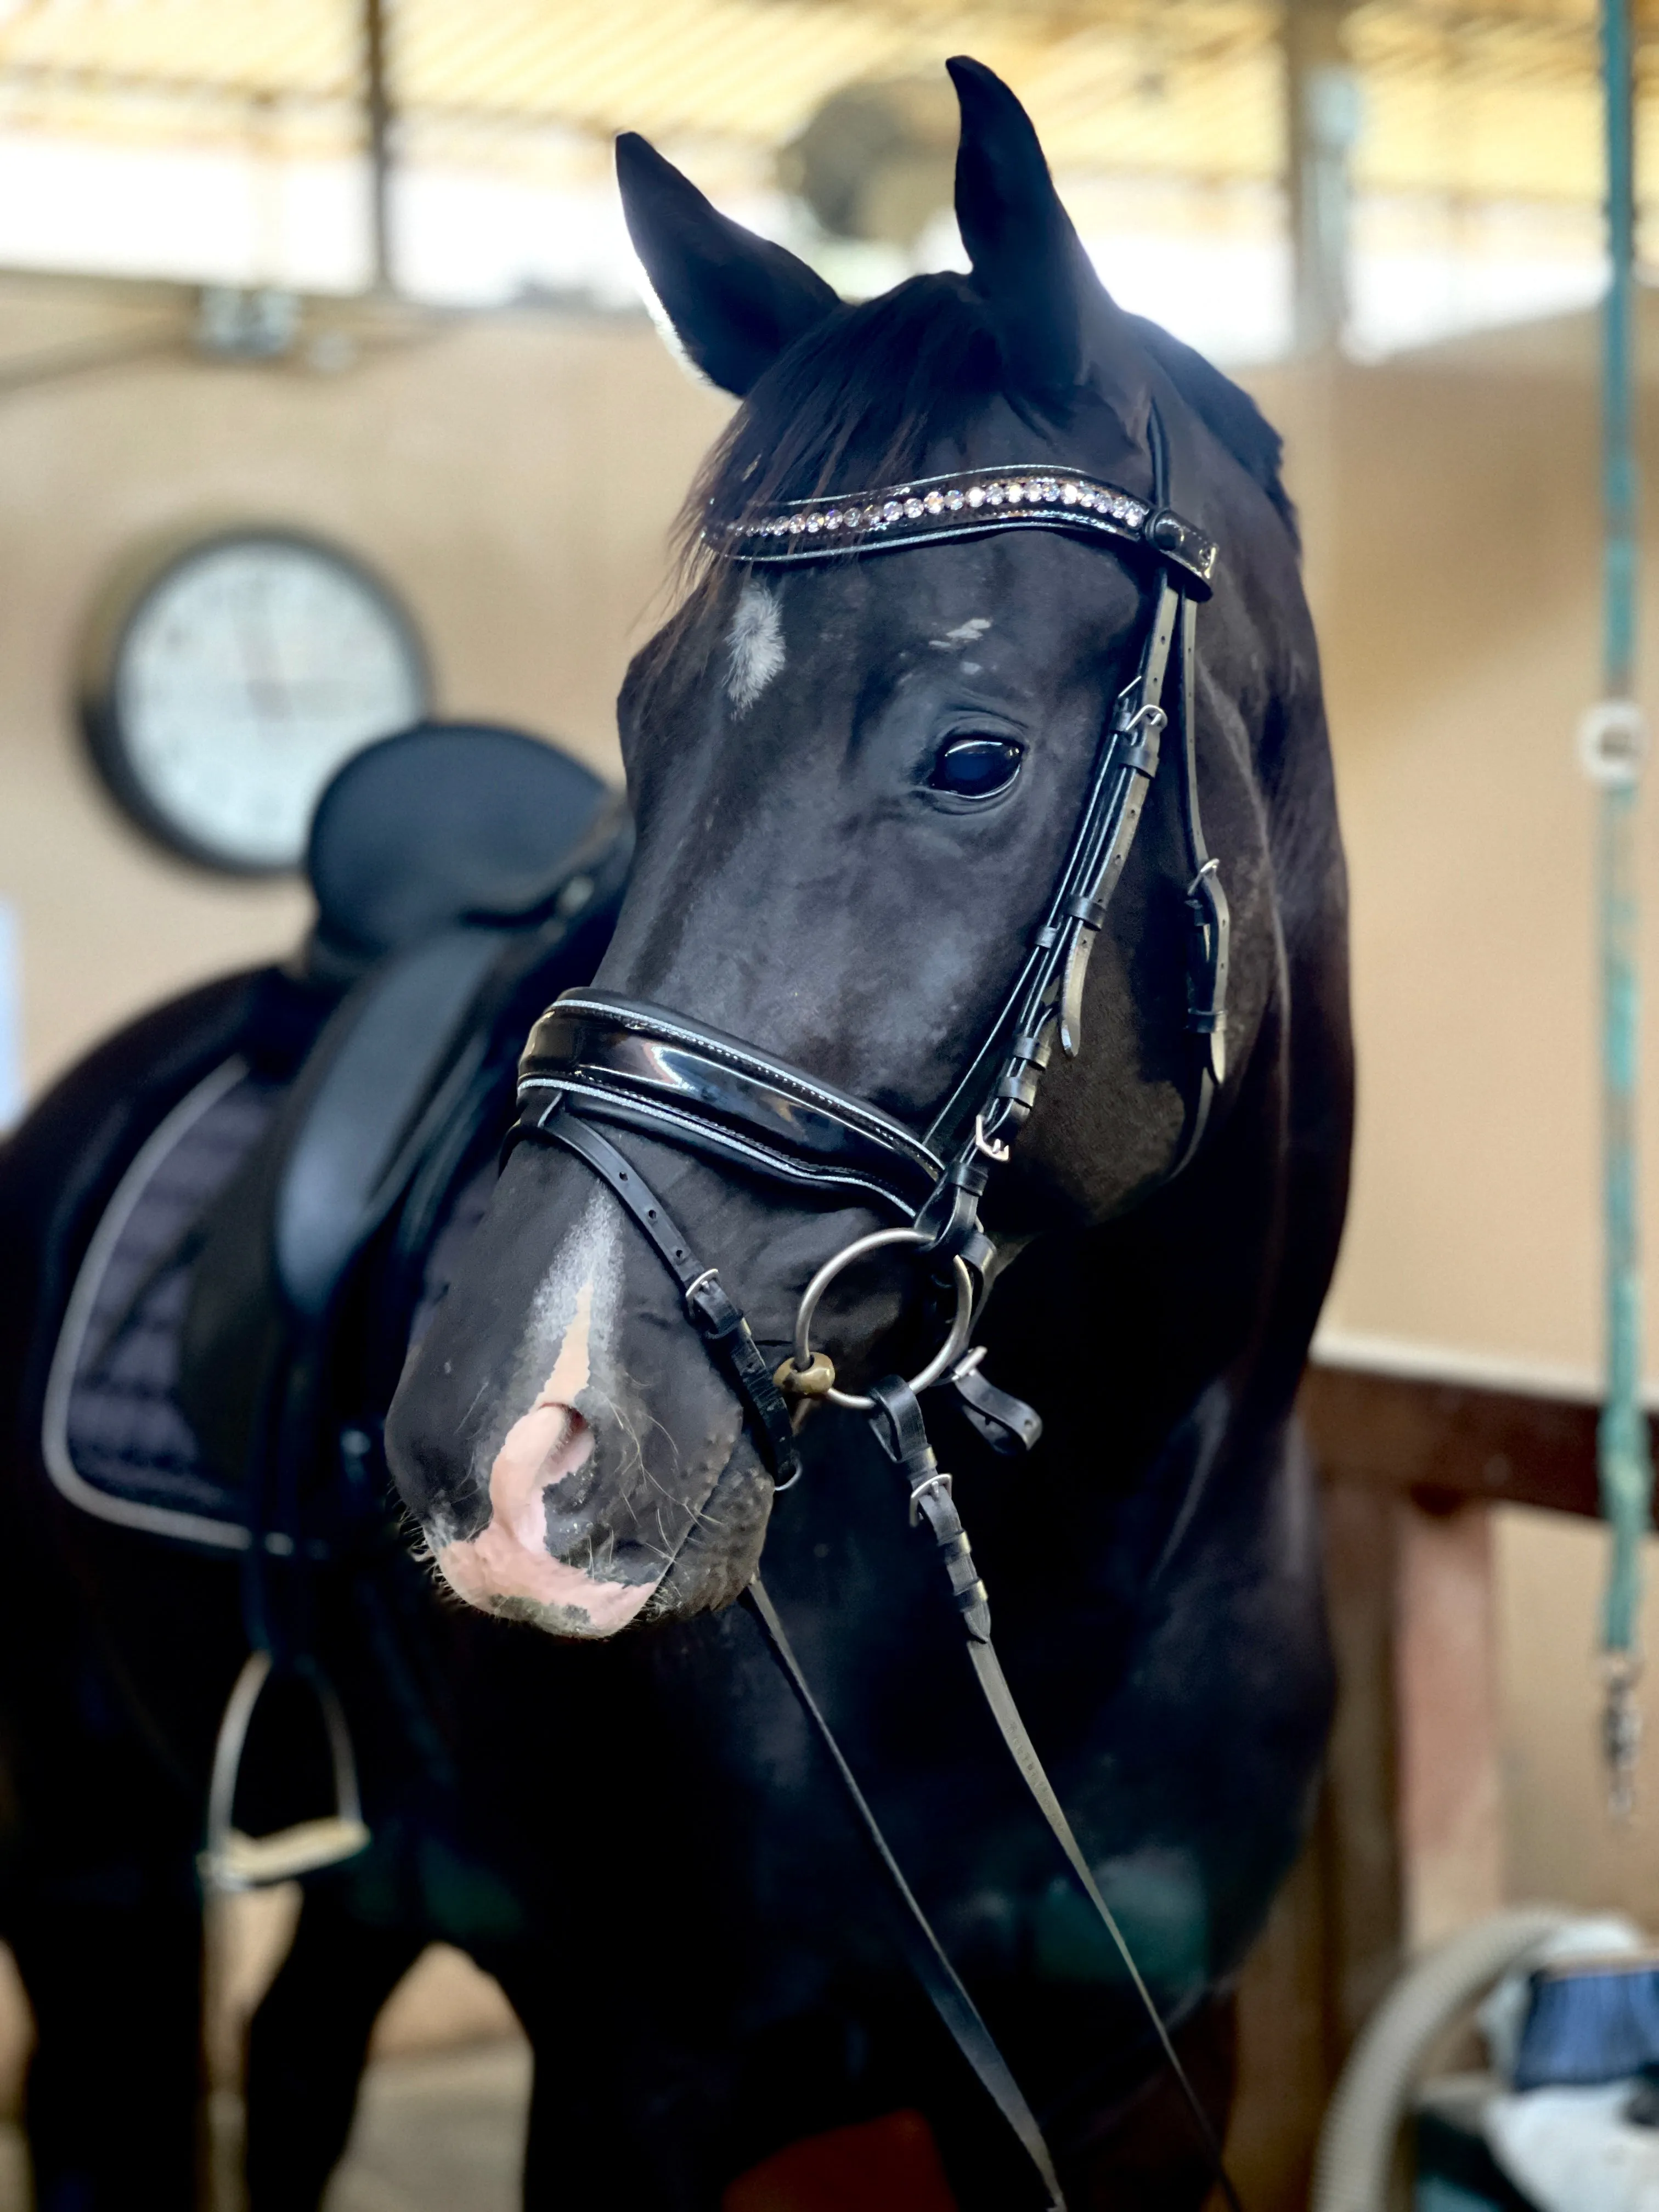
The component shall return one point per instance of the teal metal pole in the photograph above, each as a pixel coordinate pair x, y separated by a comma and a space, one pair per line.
1615, 750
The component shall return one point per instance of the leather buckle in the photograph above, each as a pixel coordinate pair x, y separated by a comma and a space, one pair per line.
938, 1484
1000, 1153
1206, 978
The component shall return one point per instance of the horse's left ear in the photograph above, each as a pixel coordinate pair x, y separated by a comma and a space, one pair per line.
1057, 326
735, 300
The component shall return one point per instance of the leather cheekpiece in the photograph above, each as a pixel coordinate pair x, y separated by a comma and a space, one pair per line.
716, 1319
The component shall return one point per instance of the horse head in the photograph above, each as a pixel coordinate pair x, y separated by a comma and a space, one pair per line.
858, 770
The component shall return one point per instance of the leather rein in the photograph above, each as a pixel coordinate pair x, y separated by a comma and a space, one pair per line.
599, 1057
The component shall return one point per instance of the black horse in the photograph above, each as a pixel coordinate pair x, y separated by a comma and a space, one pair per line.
859, 758
855, 783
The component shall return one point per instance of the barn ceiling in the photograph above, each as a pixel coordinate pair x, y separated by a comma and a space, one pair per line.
1487, 99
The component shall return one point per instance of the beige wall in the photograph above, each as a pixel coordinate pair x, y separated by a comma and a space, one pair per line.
1559, 1841
513, 477
1453, 567
1455, 570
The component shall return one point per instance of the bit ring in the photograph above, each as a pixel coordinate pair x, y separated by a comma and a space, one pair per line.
881, 1240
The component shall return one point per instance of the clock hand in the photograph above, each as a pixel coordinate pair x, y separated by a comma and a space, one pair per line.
267, 693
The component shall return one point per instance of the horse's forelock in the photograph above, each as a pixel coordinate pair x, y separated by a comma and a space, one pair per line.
857, 401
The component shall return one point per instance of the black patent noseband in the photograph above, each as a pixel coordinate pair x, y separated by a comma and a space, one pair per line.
625, 1061
597, 1056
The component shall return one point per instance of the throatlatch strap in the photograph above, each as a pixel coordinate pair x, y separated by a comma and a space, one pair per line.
713, 1315
927, 1955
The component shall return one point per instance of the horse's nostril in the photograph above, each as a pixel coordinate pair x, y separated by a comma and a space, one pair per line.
548, 1446
526, 1553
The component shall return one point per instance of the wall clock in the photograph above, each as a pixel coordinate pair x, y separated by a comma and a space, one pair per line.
225, 679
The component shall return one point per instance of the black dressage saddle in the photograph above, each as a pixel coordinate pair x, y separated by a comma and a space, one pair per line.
221, 1341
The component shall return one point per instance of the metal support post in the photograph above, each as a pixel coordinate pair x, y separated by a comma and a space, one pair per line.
378, 107
1614, 744
1322, 111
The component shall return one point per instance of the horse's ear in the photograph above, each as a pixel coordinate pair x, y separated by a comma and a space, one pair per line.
1056, 325
735, 300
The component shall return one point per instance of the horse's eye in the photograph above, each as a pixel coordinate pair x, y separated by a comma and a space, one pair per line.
977, 767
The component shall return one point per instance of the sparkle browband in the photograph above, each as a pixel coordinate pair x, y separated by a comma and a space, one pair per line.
965, 505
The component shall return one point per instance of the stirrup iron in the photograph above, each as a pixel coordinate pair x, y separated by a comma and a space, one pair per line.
233, 1860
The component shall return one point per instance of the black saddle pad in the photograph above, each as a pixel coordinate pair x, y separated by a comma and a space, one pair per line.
114, 1440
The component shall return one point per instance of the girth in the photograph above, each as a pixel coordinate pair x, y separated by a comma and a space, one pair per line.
597, 1057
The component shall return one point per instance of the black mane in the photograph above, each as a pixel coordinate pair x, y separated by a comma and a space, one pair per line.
1226, 409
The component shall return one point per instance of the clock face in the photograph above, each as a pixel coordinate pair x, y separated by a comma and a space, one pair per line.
239, 678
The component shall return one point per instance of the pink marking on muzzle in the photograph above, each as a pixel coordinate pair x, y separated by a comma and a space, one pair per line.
509, 1558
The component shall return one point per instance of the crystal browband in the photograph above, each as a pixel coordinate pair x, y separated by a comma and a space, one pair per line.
960, 505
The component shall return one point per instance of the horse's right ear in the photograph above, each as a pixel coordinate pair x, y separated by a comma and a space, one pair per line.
735, 300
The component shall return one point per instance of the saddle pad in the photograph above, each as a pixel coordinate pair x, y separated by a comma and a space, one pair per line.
114, 1439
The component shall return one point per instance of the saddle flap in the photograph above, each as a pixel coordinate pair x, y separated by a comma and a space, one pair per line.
374, 1069
200, 1350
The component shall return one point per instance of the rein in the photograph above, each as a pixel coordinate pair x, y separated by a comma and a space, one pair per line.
600, 1057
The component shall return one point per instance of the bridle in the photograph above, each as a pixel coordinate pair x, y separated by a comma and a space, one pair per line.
598, 1057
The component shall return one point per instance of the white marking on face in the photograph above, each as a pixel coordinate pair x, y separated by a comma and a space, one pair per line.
754, 645
550, 1442
964, 634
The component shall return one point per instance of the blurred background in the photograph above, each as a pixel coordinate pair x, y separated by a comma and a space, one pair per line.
349, 278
